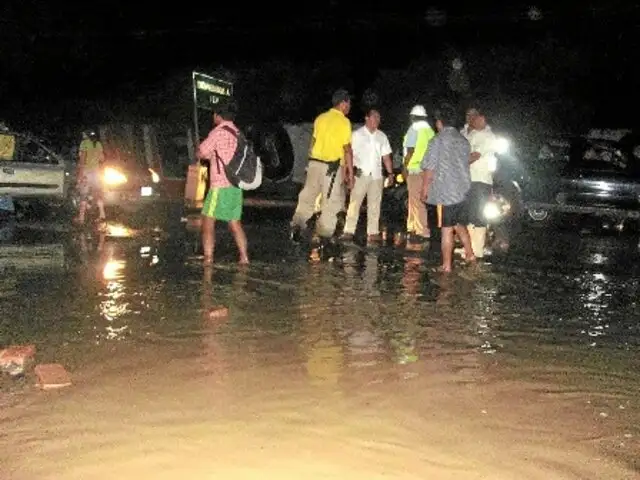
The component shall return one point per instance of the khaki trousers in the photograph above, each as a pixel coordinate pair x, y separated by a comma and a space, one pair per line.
417, 213
316, 183
365, 186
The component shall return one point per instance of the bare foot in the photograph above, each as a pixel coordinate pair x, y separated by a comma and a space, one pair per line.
208, 260
244, 261
443, 269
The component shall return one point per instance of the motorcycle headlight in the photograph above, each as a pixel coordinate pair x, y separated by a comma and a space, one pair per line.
501, 146
492, 211
113, 177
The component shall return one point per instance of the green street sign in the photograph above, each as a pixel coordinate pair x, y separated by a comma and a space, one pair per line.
208, 91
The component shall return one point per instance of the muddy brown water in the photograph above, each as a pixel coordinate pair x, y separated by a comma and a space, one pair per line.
361, 366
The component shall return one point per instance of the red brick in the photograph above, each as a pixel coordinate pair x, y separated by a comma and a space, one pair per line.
17, 354
218, 311
52, 375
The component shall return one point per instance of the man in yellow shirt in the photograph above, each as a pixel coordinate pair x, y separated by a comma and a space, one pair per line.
330, 167
91, 158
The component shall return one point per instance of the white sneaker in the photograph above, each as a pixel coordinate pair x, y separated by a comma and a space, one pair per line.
459, 251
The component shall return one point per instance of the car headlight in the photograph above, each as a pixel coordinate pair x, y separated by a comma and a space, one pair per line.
155, 178
501, 145
114, 177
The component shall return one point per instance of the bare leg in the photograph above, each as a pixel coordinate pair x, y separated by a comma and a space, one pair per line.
82, 212
241, 240
447, 248
100, 203
208, 238
463, 234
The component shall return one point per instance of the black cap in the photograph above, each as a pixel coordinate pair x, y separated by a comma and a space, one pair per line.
340, 96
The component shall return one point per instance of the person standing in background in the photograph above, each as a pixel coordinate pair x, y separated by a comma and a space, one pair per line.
88, 176
416, 143
330, 167
371, 150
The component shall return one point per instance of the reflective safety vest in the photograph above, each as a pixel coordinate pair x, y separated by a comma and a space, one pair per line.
425, 134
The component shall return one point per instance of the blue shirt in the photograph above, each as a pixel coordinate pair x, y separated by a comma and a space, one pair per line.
448, 158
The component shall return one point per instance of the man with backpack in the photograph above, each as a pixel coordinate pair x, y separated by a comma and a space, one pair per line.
224, 199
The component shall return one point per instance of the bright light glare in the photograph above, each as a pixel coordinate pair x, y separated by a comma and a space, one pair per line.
112, 269
491, 211
502, 145
399, 178
155, 178
114, 177
118, 230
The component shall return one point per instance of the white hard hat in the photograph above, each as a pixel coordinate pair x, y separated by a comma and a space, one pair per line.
418, 111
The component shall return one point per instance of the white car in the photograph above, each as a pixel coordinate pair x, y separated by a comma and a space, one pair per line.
29, 169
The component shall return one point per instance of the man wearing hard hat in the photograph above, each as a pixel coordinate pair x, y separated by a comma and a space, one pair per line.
416, 142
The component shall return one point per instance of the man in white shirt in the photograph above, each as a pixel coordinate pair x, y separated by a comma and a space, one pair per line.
371, 149
483, 163
469, 116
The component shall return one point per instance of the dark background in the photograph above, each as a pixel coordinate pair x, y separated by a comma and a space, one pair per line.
566, 66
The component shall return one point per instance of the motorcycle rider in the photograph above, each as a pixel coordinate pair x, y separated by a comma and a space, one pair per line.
89, 181
416, 143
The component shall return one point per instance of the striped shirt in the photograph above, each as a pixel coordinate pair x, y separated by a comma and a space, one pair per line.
448, 158
223, 143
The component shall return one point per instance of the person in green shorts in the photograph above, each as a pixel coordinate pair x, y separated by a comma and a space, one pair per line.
223, 201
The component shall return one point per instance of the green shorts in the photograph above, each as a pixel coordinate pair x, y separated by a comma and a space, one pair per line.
223, 203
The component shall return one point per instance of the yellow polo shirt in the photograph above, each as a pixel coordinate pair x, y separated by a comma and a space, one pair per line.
331, 132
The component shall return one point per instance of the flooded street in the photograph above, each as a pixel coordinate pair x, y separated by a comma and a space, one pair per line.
366, 365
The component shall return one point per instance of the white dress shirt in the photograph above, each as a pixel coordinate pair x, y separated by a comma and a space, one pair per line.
368, 150
484, 142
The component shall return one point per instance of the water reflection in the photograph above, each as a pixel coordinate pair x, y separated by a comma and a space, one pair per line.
353, 362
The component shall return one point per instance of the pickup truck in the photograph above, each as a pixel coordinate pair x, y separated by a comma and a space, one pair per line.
584, 175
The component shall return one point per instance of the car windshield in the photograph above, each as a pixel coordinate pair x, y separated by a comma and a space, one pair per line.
600, 155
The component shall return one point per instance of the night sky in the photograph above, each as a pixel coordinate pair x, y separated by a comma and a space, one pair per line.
52, 51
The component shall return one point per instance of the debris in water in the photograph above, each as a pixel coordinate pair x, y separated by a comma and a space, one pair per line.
218, 311
14, 359
52, 375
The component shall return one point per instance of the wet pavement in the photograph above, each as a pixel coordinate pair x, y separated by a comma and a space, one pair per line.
365, 364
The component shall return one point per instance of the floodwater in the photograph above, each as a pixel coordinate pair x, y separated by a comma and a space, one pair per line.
364, 365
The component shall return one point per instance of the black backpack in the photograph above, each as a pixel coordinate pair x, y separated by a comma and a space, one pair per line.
244, 170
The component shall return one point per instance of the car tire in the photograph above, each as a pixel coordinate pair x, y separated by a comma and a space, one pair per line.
273, 145
538, 215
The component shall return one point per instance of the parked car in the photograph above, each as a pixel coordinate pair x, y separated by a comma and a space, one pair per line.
583, 175
30, 171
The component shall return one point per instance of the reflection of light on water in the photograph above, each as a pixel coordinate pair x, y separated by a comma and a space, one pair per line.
118, 230
112, 269
113, 306
596, 301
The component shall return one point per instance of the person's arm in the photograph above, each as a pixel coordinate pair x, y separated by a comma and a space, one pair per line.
428, 166
100, 154
349, 177
82, 161
410, 145
387, 161
207, 148
313, 137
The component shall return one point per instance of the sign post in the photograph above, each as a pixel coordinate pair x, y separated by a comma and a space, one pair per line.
207, 92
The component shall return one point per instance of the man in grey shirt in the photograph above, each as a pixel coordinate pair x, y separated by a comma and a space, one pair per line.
447, 181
